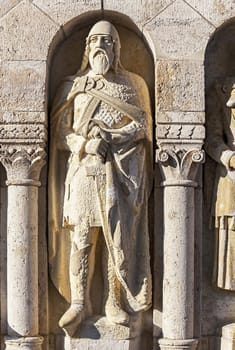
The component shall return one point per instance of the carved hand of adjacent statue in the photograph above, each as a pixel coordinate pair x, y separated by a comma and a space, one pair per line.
98, 147
232, 162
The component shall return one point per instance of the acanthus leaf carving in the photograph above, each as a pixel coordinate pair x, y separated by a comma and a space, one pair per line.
23, 163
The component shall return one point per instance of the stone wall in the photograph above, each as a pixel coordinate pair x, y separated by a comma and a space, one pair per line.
174, 48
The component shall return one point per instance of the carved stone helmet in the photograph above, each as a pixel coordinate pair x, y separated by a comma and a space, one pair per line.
103, 28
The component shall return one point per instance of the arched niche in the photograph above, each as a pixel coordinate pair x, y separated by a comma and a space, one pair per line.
218, 306
65, 59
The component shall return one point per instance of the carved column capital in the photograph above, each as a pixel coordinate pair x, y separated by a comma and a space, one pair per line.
23, 163
179, 166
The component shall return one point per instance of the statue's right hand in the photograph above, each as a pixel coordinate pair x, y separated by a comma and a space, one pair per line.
98, 147
232, 162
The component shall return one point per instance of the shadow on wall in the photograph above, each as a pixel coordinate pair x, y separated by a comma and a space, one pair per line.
3, 252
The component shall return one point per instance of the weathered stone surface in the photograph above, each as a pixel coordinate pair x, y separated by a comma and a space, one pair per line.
180, 86
95, 326
64, 11
179, 32
140, 11
93, 344
7, 5
215, 11
22, 117
181, 117
22, 37
23, 132
22, 86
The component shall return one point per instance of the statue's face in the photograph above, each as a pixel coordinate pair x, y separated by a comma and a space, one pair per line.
101, 54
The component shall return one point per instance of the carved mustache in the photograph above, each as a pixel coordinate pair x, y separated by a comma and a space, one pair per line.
99, 51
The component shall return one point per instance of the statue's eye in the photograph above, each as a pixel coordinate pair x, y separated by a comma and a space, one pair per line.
93, 39
108, 41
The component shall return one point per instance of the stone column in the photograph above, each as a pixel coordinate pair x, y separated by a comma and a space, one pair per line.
23, 167
228, 337
179, 169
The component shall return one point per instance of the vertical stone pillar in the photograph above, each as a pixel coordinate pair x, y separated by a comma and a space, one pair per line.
23, 170
228, 337
179, 170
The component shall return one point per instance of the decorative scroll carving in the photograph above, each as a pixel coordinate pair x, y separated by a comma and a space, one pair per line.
179, 164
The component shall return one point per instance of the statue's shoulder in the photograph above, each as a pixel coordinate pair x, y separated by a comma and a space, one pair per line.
66, 86
129, 76
133, 80
70, 80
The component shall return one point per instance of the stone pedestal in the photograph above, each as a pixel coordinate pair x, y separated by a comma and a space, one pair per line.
99, 333
94, 344
228, 337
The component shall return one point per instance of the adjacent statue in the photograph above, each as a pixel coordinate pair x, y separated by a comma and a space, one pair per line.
220, 145
100, 179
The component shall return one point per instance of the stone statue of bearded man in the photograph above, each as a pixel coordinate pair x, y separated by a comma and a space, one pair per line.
100, 179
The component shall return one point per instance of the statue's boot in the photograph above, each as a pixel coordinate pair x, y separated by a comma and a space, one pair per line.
73, 317
113, 307
115, 313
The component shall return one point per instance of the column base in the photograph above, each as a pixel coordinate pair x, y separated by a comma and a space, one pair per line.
228, 337
170, 344
23, 343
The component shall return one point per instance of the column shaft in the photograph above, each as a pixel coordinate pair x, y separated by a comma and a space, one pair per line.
178, 284
22, 267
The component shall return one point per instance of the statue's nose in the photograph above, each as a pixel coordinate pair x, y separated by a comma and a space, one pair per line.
231, 102
99, 42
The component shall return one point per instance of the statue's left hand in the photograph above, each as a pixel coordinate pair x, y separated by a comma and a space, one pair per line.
97, 146
94, 132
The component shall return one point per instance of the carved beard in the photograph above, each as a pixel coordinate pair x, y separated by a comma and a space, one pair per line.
99, 61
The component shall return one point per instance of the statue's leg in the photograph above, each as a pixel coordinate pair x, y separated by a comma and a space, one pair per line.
112, 287
81, 267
